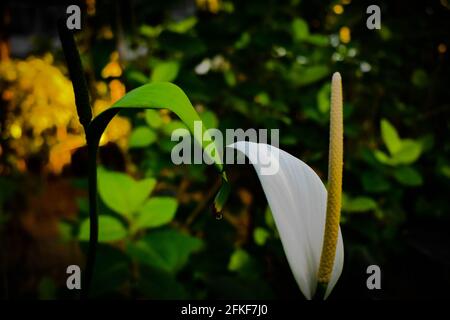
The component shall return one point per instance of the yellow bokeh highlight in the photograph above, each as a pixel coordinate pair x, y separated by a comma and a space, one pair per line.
338, 9
90, 7
345, 35
40, 113
117, 90
113, 68
105, 33
212, 6
16, 131
442, 48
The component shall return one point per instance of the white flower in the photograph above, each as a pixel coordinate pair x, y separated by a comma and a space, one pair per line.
298, 200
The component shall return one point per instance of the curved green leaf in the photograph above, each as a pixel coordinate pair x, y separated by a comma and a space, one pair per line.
158, 95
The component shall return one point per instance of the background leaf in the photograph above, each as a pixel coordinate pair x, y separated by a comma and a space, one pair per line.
141, 137
408, 153
358, 204
156, 212
153, 118
408, 176
390, 137
300, 30
110, 229
165, 71
168, 250
122, 193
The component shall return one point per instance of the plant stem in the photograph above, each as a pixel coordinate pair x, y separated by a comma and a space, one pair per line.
76, 74
93, 219
84, 111
320, 291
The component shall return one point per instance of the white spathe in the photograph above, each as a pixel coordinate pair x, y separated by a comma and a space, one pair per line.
298, 200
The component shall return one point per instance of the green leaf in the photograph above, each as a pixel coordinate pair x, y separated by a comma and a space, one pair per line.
408, 153
408, 176
243, 41
156, 212
300, 30
230, 78
168, 250
238, 260
323, 98
382, 157
110, 229
113, 271
404, 151
141, 137
165, 71
150, 31
244, 264
262, 98
260, 235
318, 40
358, 204
153, 118
122, 193
268, 218
183, 26
303, 76
390, 137
221, 196
157, 95
172, 126
209, 119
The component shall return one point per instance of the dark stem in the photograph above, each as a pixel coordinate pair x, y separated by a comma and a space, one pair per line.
93, 220
320, 291
76, 74
85, 115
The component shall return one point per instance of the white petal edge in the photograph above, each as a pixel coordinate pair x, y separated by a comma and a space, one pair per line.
297, 198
